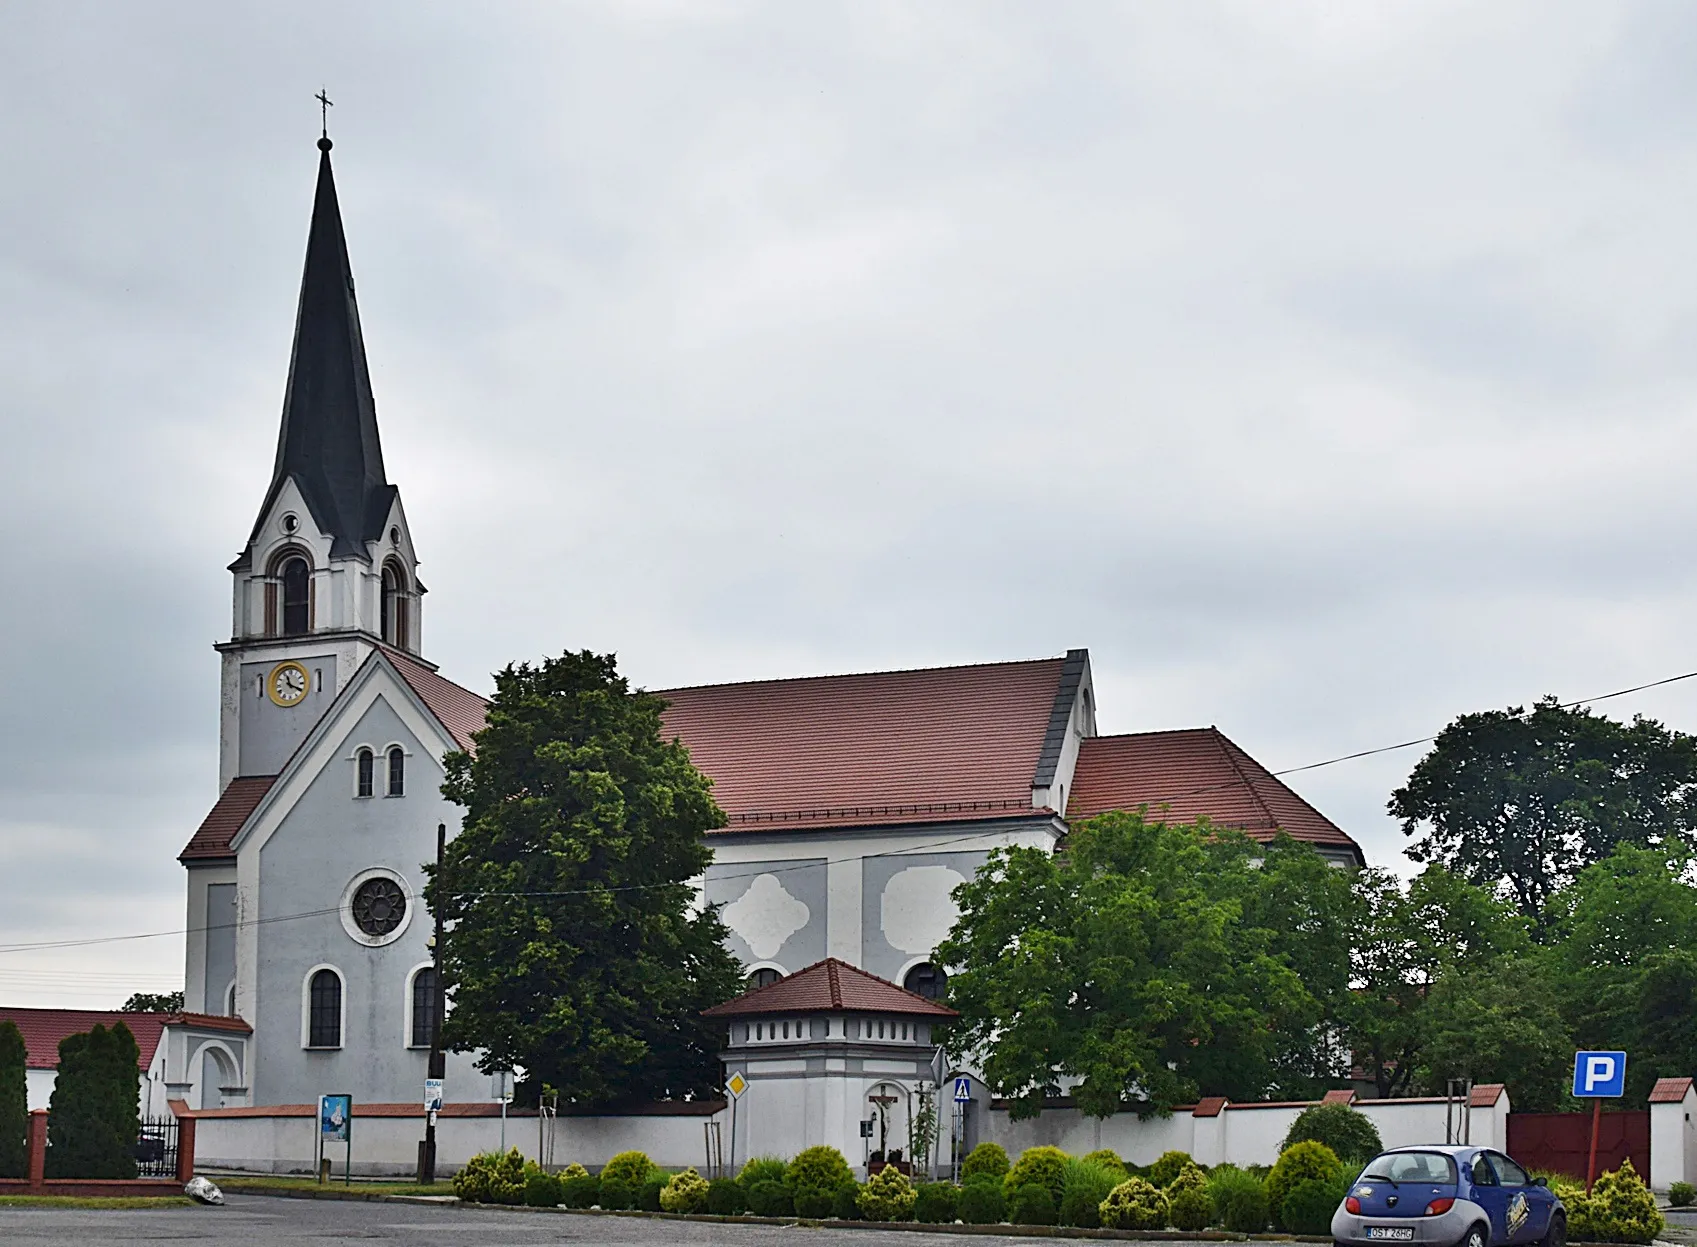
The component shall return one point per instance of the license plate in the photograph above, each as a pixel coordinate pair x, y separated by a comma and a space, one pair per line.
1397, 1233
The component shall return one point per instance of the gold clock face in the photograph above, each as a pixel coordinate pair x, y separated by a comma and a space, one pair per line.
288, 683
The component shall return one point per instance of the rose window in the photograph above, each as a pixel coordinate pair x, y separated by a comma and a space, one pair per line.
379, 906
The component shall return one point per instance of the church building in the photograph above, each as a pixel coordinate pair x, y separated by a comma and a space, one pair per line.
855, 802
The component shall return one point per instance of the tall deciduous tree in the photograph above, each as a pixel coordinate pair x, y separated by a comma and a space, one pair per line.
575, 950
1521, 801
153, 1002
93, 1117
1499, 1023
1124, 965
14, 1102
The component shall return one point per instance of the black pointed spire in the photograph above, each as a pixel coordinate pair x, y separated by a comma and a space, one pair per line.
328, 442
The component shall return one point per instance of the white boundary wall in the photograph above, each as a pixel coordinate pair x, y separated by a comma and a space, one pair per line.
1241, 1134
1673, 1136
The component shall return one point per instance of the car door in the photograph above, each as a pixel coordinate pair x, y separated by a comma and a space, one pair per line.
1528, 1206
1488, 1193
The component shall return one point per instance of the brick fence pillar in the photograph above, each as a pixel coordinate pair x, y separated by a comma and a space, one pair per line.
38, 1149
185, 1148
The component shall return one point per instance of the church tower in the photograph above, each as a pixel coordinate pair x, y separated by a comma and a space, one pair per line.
329, 571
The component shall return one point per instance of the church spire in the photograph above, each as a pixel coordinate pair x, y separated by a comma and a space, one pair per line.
328, 442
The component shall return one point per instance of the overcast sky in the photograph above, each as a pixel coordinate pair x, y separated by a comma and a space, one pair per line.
1328, 370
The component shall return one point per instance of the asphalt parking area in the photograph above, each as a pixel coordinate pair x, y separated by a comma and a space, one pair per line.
261, 1221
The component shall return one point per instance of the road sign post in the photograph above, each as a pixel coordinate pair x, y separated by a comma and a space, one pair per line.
1597, 1076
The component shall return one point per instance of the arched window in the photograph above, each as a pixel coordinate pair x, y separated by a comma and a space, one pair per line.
423, 1007
397, 772
394, 606
763, 977
927, 980
297, 580
367, 765
324, 1010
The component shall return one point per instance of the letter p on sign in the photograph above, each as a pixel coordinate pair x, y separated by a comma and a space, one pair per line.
1599, 1075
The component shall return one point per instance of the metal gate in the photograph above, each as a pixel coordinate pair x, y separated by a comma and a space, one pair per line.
1562, 1141
156, 1148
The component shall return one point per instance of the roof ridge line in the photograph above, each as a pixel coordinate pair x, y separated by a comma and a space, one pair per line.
859, 675
1221, 740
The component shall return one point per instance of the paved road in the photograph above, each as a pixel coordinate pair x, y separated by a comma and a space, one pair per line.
261, 1221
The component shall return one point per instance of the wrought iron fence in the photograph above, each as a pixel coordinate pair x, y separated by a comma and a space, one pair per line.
156, 1148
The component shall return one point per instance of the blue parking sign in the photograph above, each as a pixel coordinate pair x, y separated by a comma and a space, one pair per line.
1599, 1075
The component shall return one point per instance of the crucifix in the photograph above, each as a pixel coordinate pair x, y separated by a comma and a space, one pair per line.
325, 104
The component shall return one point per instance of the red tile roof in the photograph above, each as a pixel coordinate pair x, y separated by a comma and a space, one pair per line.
459, 710
1189, 774
1669, 1090
942, 744
226, 817
43, 1029
1209, 1106
1485, 1094
830, 985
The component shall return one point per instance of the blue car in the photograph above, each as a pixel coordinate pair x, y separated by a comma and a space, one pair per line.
1450, 1196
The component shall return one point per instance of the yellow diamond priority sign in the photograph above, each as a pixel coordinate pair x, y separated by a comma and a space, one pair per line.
736, 1084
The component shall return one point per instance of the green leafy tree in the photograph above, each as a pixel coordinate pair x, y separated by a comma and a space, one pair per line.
1522, 801
153, 1002
1500, 1024
1123, 963
93, 1117
574, 949
14, 1102
1624, 935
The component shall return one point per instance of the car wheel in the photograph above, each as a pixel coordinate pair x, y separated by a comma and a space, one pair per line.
1476, 1237
1556, 1236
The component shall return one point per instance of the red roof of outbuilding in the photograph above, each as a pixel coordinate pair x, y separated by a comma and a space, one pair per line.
831, 985
226, 817
1669, 1090
43, 1029
1190, 774
934, 745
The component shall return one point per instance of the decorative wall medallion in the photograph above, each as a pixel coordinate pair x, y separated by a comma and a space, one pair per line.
916, 910
766, 916
376, 907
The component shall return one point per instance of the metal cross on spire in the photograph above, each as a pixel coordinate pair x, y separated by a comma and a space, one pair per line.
325, 104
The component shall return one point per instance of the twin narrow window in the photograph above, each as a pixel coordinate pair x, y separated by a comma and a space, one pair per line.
366, 761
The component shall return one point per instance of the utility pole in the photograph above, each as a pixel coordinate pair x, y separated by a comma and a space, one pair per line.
437, 1067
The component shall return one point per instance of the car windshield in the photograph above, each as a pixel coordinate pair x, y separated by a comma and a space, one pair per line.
1412, 1167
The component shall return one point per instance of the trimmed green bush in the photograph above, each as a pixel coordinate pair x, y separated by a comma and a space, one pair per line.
937, 1203
684, 1192
1349, 1132
888, 1196
982, 1202
761, 1169
813, 1202
1682, 1194
1135, 1204
767, 1198
580, 1190
814, 1177
1245, 1210
1309, 1205
628, 1167
1226, 1181
1190, 1209
617, 1195
845, 1203
93, 1118
1168, 1167
1619, 1209
14, 1103
1108, 1157
1086, 1184
1031, 1204
492, 1178
1298, 1163
725, 1198
1190, 1178
985, 1160
648, 1194
1046, 1166
541, 1189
